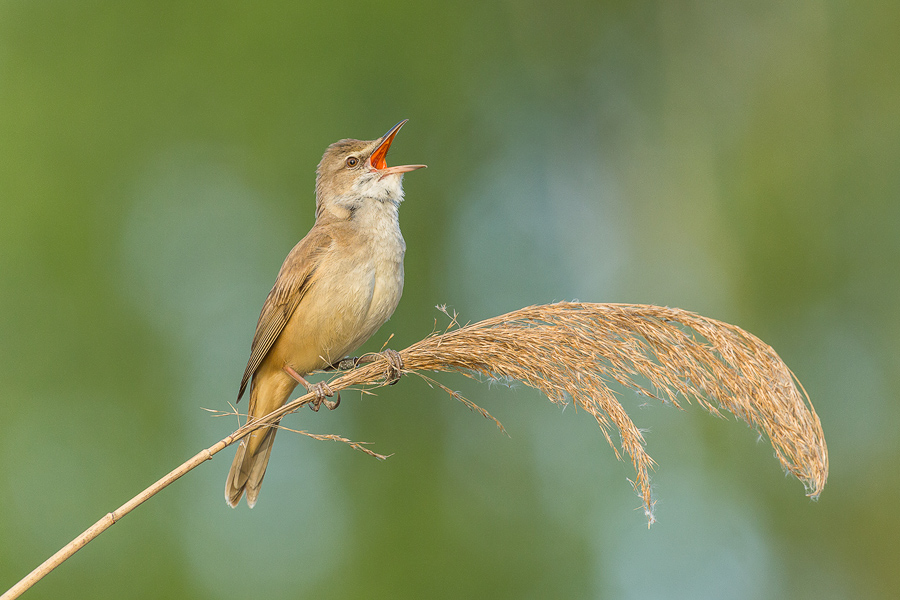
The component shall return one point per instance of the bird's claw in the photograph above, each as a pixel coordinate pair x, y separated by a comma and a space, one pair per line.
395, 366
323, 392
347, 363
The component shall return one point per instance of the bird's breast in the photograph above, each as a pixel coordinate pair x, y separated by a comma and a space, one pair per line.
356, 289
387, 249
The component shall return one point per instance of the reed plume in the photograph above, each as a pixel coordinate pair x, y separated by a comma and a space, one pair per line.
574, 350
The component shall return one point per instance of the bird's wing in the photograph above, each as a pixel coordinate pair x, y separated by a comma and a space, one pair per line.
296, 277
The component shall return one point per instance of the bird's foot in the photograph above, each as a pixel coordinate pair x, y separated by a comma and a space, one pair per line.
345, 364
395, 366
392, 373
321, 390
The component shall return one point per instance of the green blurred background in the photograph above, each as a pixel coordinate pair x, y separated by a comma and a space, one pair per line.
738, 159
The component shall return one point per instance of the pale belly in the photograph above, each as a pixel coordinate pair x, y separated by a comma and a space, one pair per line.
347, 304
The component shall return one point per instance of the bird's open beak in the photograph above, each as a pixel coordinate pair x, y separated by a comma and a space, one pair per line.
378, 162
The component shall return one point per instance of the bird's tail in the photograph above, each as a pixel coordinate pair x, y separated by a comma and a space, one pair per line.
252, 457
249, 466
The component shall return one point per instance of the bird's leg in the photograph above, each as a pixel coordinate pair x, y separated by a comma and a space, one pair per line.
351, 362
394, 370
345, 364
321, 390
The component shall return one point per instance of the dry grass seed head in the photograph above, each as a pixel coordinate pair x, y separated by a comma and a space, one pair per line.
575, 349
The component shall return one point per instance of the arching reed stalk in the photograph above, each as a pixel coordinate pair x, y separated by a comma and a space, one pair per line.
575, 350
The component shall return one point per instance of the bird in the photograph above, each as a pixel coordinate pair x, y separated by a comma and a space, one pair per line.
336, 287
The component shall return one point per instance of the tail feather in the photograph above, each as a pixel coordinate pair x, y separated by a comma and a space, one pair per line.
249, 467
234, 486
258, 468
268, 390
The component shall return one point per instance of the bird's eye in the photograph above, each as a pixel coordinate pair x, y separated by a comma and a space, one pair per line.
352, 161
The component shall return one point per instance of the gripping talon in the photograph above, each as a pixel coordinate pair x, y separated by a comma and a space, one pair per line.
321, 390
395, 366
347, 364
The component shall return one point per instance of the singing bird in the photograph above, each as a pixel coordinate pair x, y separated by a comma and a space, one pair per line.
336, 287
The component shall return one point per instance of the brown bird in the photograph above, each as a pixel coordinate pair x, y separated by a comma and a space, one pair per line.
334, 290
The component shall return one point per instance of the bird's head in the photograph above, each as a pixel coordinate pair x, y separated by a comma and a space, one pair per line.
353, 172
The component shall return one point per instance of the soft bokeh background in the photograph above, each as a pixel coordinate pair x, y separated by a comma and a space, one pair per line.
738, 159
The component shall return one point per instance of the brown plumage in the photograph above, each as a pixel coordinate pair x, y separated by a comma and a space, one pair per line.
336, 287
